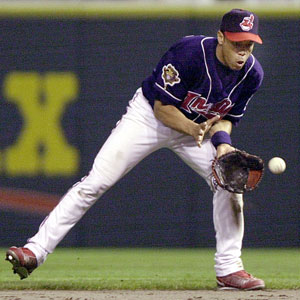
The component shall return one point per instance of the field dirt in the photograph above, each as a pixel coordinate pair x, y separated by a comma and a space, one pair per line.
150, 295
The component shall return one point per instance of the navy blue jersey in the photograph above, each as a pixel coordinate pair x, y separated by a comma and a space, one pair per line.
190, 77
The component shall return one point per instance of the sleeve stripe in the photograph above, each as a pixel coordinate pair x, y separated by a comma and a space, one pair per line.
245, 107
206, 67
165, 91
235, 116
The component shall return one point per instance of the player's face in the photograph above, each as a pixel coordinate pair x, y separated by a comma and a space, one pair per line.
233, 54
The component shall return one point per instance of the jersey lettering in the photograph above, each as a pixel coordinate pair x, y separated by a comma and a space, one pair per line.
195, 103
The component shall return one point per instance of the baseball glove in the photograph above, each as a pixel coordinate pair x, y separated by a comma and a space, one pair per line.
238, 171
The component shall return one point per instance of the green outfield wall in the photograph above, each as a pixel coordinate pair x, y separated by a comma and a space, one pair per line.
67, 74
141, 10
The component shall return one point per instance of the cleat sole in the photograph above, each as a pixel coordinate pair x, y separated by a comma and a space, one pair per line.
17, 268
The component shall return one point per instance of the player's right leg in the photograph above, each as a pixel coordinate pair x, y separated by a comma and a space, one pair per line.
137, 135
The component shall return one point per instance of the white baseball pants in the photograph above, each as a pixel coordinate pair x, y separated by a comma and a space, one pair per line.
137, 135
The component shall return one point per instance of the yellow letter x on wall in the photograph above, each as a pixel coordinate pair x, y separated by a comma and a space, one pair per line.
41, 147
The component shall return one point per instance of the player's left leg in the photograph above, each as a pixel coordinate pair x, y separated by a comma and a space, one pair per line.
227, 207
229, 227
227, 216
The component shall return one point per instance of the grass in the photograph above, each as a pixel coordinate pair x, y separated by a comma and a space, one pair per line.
165, 269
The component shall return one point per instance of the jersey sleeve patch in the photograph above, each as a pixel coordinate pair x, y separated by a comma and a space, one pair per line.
170, 75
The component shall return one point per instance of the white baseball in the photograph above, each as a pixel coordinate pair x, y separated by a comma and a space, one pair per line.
277, 165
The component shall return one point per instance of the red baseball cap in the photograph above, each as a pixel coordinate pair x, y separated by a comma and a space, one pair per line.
240, 25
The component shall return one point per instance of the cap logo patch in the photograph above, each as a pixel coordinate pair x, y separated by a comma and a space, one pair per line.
247, 23
170, 75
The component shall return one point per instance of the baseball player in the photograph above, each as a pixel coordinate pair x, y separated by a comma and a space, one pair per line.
198, 91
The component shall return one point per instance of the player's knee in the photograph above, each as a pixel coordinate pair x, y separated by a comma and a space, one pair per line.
95, 184
237, 202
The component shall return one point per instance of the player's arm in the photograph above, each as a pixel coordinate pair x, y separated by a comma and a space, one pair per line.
172, 117
221, 128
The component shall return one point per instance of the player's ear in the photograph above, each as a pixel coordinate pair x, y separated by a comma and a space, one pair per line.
220, 37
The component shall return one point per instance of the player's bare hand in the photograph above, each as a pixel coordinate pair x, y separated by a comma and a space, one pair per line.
223, 149
203, 128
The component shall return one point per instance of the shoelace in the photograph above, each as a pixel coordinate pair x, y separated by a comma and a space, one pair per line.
243, 273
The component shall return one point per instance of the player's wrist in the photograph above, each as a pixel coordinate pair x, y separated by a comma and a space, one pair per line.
224, 148
221, 137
